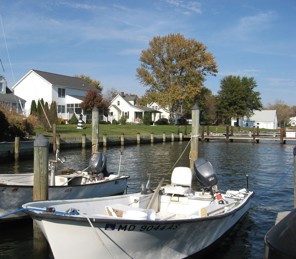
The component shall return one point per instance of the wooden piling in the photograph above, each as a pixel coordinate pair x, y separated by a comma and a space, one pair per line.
163, 137
227, 133
152, 137
294, 153
16, 148
138, 138
95, 130
58, 141
40, 189
194, 136
172, 137
105, 140
54, 133
122, 139
180, 136
202, 133
83, 141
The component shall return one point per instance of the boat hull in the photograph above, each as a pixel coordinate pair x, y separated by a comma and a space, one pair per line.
113, 238
14, 196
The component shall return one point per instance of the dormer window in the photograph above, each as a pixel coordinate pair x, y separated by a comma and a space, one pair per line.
61, 92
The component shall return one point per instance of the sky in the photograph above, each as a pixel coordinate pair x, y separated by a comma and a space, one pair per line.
103, 39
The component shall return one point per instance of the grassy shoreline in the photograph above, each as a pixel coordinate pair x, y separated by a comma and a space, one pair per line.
71, 131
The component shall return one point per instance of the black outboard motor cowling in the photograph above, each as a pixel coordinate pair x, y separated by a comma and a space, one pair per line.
98, 164
205, 173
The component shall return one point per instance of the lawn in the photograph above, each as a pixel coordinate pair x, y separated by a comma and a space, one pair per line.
71, 131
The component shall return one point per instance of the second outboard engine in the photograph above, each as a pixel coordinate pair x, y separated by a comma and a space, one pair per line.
98, 164
205, 173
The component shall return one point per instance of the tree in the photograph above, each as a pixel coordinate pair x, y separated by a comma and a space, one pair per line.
174, 69
237, 98
93, 98
33, 108
92, 82
284, 112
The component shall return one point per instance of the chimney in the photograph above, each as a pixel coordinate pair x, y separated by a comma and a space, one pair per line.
122, 94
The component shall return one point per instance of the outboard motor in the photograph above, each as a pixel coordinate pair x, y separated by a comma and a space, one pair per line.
205, 173
98, 164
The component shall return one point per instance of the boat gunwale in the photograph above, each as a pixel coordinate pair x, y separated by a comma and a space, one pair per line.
113, 220
121, 177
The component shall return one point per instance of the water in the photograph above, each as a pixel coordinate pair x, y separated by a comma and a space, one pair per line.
270, 168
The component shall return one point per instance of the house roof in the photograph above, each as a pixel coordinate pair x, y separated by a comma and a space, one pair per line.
10, 98
146, 109
264, 116
62, 80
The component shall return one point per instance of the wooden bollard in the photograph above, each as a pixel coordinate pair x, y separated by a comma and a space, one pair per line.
180, 136
122, 139
138, 138
16, 148
208, 130
95, 130
282, 135
194, 136
152, 138
294, 153
185, 130
172, 137
227, 133
58, 141
202, 133
83, 141
40, 189
105, 140
54, 134
163, 137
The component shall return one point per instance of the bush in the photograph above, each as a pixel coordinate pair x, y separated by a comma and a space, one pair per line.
162, 121
147, 119
73, 119
123, 120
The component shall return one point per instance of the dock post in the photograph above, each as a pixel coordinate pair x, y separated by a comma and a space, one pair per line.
282, 135
163, 137
122, 139
152, 138
83, 141
180, 136
227, 133
294, 153
138, 138
202, 133
105, 140
172, 137
254, 134
40, 189
95, 130
54, 134
58, 141
194, 136
16, 148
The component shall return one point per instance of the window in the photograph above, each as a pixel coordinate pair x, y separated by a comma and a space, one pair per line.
61, 108
118, 103
1, 86
61, 92
74, 108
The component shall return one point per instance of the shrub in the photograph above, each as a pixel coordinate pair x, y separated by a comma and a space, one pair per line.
162, 121
73, 119
122, 120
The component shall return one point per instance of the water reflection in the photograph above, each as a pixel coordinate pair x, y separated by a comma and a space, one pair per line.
269, 166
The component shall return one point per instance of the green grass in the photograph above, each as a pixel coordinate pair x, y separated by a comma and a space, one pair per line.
70, 131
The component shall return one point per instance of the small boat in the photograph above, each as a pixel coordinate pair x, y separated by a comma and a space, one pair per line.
93, 181
173, 221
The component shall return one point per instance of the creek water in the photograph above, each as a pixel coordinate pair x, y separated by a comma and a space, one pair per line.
270, 167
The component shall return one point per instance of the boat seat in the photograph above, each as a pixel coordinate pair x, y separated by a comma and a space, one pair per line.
180, 181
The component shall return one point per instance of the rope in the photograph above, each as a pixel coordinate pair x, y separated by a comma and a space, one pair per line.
181, 155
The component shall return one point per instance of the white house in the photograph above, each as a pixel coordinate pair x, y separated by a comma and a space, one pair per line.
264, 119
163, 113
66, 91
126, 105
8, 99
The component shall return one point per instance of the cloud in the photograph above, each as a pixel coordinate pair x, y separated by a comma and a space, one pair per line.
250, 25
186, 7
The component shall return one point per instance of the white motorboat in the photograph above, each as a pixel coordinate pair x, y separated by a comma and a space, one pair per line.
172, 222
94, 181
